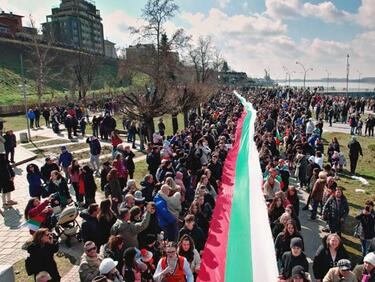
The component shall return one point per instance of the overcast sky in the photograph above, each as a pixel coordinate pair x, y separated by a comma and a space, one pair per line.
255, 34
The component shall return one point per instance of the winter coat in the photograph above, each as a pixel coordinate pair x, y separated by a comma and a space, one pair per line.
130, 230
35, 183
43, 260
173, 203
355, 149
367, 222
147, 191
91, 229
90, 185
282, 244
46, 170
288, 261
60, 187
31, 115
95, 147
153, 162
65, 159
128, 157
115, 189
323, 260
318, 189
335, 209
163, 214
196, 234
89, 268
105, 225
10, 142
6, 173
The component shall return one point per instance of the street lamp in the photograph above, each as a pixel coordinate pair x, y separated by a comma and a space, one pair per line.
328, 74
305, 72
359, 80
23, 88
347, 75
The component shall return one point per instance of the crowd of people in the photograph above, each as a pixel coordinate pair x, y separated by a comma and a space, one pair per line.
156, 230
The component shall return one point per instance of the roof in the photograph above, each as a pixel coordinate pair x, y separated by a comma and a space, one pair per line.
9, 15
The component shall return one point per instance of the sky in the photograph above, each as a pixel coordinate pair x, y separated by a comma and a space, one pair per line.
254, 35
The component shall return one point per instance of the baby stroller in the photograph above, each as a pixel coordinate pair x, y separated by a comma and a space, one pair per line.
67, 226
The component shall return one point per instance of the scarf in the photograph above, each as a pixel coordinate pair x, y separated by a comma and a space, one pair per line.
189, 255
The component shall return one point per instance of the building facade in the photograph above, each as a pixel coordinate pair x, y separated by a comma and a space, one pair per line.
110, 49
76, 24
10, 24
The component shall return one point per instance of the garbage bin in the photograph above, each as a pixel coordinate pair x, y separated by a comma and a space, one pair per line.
24, 138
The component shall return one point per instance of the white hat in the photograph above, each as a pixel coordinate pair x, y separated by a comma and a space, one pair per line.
312, 159
107, 265
370, 258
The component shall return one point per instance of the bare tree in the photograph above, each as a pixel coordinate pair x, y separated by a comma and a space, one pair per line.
158, 60
84, 70
41, 61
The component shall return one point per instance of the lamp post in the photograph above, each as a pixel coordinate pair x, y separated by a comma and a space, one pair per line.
328, 74
305, 72
347, 75
359, 80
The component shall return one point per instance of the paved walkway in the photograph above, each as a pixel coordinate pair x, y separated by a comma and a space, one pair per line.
12, 236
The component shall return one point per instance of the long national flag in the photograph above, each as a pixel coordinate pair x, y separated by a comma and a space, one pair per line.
240, 245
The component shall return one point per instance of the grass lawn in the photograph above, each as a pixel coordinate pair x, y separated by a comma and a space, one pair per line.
140, 171
46, 143
63, 263
356, 199
15, 123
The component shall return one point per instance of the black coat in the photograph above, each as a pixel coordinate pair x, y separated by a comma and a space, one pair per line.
197, 234
42, 258
288, 262
147, 191
105, 226
91, 229
6, 173
323, 260
90, 185
282, 244
46, 170
355, 149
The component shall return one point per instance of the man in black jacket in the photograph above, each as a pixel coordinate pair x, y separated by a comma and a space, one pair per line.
10, 144
355, 150
194, 231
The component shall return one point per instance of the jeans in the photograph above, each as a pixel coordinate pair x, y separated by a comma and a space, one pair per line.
94, 160
315, 204
365, 245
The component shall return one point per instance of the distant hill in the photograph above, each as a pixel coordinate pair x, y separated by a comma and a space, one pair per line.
10, 72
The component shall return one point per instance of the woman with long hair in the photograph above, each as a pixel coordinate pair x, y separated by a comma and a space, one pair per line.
327, 255
292, 197
115, 140
114, 249
59, 185
42, 248
114, 188
119, 164
186, 248
276, 209
290, 210
196, 210
106, 218
39, 212
282, 241
133, 268
89, 184
74, 170
204, 181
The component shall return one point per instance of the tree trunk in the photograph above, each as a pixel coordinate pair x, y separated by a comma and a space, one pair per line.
149, 122
199, 111
174, 123
186, 119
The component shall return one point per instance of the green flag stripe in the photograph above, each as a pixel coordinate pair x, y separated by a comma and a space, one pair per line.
239, 255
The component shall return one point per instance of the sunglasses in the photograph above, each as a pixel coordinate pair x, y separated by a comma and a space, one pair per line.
171, 252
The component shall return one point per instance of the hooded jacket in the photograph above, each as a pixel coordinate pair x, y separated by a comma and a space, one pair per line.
164, 216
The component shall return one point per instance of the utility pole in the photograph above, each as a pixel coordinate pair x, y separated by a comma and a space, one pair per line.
24, 93
347, 75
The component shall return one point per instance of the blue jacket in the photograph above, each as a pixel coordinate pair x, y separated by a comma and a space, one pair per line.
164, 216
31, 115
35, 182
65, 159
